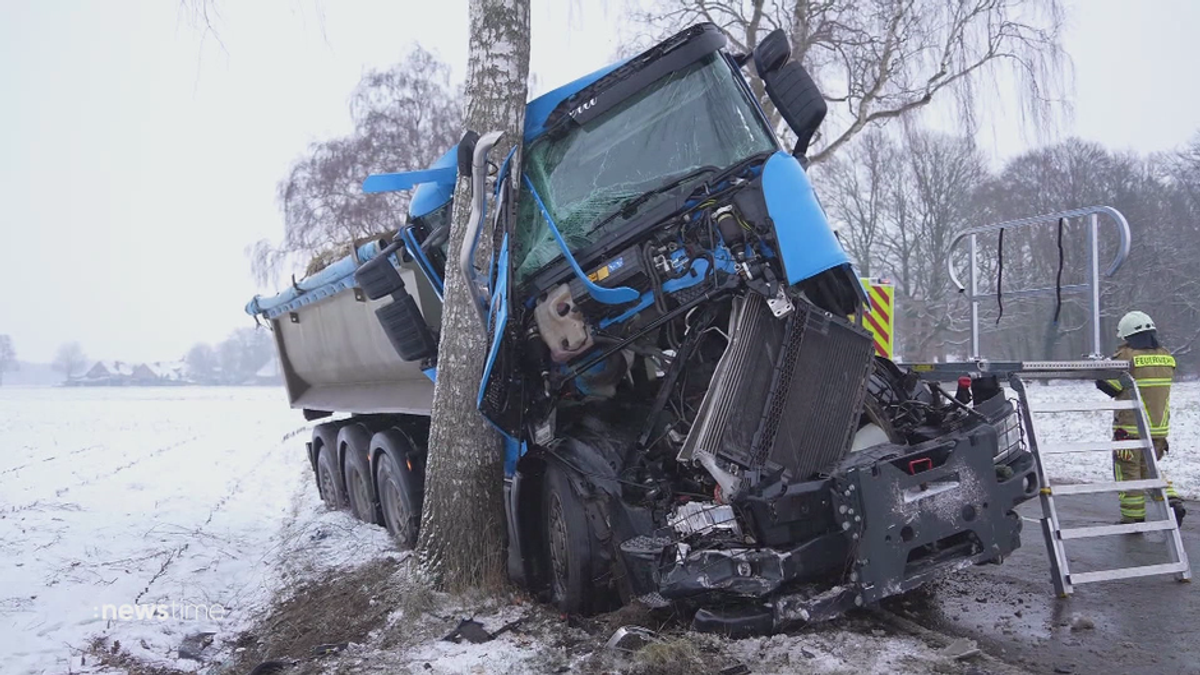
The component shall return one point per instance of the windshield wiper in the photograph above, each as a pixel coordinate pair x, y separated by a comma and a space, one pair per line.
630, 206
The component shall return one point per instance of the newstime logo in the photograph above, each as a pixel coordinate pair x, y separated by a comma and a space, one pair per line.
160, 612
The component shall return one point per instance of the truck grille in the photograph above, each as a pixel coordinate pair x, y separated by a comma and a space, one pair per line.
786, 394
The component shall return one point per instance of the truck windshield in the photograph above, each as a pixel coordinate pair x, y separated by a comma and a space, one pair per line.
698, 116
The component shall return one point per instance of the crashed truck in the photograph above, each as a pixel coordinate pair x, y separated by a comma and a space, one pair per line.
691, 416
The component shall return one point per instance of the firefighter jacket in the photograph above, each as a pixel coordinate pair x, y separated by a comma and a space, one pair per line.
1153, 369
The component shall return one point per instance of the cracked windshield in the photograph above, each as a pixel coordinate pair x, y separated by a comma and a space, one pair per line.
693, 118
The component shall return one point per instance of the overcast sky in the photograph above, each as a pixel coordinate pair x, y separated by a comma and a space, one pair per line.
139, 158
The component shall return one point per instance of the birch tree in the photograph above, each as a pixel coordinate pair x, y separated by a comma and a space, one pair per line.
462, 528
404, 118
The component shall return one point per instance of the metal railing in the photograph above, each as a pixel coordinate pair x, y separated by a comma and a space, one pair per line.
1092, 213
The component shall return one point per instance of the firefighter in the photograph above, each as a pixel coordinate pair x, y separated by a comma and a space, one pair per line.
1153, 368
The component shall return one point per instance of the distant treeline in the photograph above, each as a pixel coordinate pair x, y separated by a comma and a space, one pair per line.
901, 200
247, 356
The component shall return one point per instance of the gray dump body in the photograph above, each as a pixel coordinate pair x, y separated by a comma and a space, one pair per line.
336, 358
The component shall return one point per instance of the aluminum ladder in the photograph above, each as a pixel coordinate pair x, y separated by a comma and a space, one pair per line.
1154, 486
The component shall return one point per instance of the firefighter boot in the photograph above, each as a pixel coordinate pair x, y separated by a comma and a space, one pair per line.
1177, 506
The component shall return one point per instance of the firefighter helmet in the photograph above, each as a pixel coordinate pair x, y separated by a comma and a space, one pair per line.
1134, 322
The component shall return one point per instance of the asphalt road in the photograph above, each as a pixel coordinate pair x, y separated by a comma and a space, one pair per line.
1146, 625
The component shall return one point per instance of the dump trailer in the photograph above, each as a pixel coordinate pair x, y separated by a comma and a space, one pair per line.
690, 420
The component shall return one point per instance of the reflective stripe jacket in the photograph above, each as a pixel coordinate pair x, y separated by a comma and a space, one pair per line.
1153, 369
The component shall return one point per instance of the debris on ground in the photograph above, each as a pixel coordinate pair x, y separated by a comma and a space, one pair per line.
192, 647
630, 638
470, 630
1082, 623
961, 649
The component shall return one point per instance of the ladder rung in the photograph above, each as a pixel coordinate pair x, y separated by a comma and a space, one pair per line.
1123, 486
1129, 572
1083, 406
1093, 446
1084, 365
1123, 528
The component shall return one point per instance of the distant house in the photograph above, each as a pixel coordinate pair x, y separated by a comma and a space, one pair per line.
169, 372
108, 373
122, 373
143, 375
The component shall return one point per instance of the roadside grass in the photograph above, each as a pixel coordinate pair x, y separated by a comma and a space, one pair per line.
110, 655
320, 616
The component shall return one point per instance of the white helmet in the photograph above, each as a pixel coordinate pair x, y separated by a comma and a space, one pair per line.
1134, 322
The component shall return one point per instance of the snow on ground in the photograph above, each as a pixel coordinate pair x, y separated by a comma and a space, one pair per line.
203, 498
1181, 465
533, 639
143, 498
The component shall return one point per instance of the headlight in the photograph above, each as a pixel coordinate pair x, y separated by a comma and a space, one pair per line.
1008, 436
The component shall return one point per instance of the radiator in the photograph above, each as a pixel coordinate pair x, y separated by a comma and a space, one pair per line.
787, 394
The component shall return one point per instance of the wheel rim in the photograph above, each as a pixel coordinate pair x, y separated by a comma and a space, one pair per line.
558, 546
328, 489
359, 489
398, 517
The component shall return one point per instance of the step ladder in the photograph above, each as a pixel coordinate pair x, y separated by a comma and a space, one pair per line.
1159, 517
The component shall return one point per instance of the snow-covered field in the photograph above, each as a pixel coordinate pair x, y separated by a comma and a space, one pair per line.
1181, 465
182, 502
114, 498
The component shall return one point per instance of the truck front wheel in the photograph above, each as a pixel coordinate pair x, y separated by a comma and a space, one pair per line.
569, 544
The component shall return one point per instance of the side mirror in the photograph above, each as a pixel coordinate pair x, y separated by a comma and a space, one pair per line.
790, 88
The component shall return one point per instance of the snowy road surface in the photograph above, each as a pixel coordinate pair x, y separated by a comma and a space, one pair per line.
131, 497
192, 496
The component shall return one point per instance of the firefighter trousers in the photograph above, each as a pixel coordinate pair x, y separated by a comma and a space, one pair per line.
1131, 465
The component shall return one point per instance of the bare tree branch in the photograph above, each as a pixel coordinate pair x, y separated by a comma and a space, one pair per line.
879, 60
405, 117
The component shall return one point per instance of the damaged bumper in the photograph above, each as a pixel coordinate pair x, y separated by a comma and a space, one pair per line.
889, 519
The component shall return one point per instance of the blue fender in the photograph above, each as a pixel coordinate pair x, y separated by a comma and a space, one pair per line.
807, 245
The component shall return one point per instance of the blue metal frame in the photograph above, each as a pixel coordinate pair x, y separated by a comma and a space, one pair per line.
418, 254
618, 295
498, 314
407, 180
721, 257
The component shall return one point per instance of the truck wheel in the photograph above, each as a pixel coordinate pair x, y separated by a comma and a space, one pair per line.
329, 477
355, 442
400, 482
569, 544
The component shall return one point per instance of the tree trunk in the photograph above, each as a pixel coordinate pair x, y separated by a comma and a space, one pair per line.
463, 527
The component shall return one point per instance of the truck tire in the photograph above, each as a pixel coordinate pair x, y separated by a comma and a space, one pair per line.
329, 474
400, 484
354, 442
569, 544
